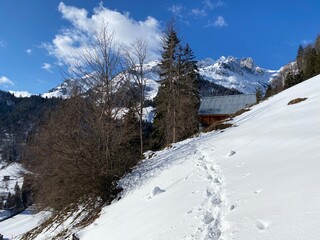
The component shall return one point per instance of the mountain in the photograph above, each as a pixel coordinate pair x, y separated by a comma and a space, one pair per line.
256, 180
218, 77
233, 73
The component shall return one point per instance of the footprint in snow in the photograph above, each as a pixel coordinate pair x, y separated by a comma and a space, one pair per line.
258, 191
156, 191
231, 153
262, 225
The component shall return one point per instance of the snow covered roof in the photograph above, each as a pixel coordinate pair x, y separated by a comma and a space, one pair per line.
229, 104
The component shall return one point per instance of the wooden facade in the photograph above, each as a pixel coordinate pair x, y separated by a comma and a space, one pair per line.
207, 120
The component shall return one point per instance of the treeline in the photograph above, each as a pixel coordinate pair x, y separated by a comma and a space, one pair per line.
92, 139
305, 66
308, 64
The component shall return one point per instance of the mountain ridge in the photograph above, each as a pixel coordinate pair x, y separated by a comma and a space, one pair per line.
242, 75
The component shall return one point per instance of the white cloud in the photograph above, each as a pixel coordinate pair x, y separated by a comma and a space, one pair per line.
29, 51
219, 3
6, 81
211, 5
196, 12
219, 22
47, 67
207, 6
125, 29
176, 10
2, 43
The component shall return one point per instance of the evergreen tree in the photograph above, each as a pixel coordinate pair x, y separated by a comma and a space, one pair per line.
17, 197
177, 101
189, 94
317, 49
300, 59
166, 103
310, 62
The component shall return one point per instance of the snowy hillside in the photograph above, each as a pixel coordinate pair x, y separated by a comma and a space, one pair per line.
240, 74
258, 180
14, 172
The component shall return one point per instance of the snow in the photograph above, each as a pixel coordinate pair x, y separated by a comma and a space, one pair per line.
54, 94
21, 94
22, 223
240, 74
148, 114
257, 180
15, 172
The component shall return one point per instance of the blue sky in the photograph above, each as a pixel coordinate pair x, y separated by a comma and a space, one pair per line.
36, 39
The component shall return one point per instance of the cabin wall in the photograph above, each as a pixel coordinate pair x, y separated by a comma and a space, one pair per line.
207, 120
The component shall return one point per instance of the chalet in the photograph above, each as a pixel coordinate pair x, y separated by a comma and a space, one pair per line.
217, 108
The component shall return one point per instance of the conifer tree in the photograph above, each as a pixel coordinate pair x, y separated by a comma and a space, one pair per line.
189, 94
165, 120
178, 97
310, 62
300, 58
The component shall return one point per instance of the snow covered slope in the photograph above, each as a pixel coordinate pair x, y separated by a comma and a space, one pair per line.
20, 224
258, 180
15, 173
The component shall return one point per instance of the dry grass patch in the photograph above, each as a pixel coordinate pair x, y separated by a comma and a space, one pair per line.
218, 126
297, 100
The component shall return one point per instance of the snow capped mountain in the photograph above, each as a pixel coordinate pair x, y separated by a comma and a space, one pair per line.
240, 74
64, 90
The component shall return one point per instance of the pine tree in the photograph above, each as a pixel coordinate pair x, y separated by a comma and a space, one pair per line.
189, 94
310, 62
317, 49
166, 103
178, 97
17, 197
300, 59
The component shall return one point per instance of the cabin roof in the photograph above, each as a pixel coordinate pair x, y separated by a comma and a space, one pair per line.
229, 104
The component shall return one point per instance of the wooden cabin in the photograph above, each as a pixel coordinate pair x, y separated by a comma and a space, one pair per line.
217, 108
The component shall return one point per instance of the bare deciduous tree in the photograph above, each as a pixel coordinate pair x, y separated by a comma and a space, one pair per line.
90, 141
135, 57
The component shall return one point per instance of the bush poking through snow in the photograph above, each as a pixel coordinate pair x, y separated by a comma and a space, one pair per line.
218, 126
297, 100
